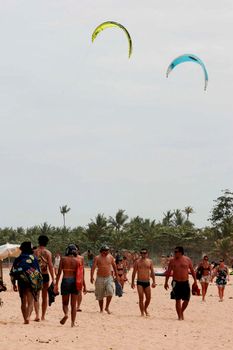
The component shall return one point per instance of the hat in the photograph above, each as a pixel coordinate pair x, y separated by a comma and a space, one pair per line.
104, 247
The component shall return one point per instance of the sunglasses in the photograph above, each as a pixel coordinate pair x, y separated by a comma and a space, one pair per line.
143, 252
176, 251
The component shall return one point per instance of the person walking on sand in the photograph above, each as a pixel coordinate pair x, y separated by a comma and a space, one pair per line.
83, 289
144, 269
46, 265
205, 269
180, 265
56, 264
221, 273
68, 266
26, 272
104, 263
90, 258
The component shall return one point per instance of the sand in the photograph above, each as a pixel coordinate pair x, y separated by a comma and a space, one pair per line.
206, 325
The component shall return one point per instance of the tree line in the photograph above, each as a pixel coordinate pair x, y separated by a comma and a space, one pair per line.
159, 237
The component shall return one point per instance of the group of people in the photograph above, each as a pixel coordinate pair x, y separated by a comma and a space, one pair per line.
33, 274
206, 272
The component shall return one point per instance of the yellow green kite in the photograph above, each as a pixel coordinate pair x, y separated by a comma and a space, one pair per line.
110, 24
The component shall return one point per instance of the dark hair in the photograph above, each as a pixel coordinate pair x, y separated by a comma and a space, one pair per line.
26, 248
43, 240
143, 250
71, 250
77, 248
180, 249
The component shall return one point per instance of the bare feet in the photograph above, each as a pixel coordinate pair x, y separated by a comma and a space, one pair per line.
147, 313
37, 319
26, 322
108, 311
64, 319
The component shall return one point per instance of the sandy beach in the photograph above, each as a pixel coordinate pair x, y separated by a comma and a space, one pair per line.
206, 325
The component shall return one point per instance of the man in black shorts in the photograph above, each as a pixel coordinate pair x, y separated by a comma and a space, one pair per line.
180, 265
144, 269
45, 261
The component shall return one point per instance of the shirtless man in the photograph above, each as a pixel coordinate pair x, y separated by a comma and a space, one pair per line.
144, 269
180, 265
45, 261
104, 263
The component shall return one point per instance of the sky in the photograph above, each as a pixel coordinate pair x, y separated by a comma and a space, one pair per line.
84, 126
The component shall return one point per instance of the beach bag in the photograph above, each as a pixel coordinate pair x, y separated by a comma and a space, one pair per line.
79, 277
195, 290
35, 279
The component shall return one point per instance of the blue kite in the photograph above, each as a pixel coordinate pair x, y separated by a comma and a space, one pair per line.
188, 58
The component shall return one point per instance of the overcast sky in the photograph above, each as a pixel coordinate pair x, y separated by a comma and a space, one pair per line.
84, 126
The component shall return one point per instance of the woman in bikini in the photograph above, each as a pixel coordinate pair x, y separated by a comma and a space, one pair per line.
222, 276
120, 271
68, 266
205, 279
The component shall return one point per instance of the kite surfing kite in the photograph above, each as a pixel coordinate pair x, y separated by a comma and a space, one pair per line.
188, 58
110, 24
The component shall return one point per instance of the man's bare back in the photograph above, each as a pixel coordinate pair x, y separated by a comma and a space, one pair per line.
44, 257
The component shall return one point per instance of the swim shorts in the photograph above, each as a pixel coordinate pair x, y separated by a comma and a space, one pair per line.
143, 284
181, 290
104, 287
68, 286
45, 277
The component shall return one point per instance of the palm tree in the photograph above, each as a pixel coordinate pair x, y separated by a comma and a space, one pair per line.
119, 221
64, 210
188, 211
45, 228
167, 220
179, 219
223, 248
97, 231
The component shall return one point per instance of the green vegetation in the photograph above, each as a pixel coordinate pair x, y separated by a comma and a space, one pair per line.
160, 237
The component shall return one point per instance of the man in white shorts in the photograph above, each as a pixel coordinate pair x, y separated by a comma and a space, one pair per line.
104, 263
